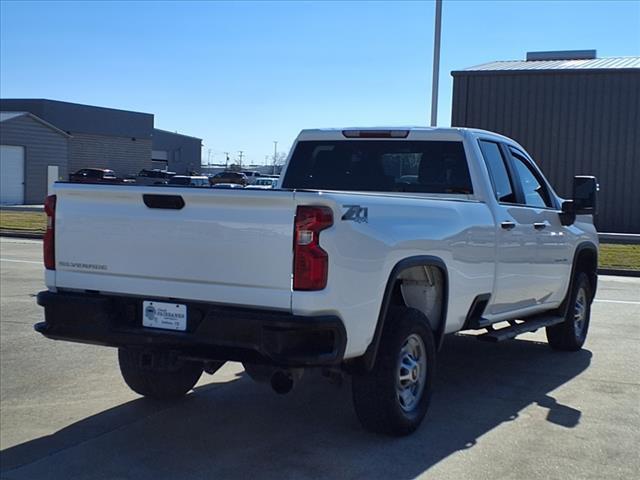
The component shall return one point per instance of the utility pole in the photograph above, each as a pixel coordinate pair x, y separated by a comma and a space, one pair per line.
241, 153
209, 158
436, 64
226, 162
275, 156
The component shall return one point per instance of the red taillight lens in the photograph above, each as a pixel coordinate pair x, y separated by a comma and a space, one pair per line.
49, 235
310, 262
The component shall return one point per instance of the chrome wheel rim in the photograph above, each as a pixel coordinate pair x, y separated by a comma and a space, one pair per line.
412, 372
580, 312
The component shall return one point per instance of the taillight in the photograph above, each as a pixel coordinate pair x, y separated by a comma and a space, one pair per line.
310, 262
49, 235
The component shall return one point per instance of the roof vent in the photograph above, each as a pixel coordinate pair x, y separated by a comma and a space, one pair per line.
562, 55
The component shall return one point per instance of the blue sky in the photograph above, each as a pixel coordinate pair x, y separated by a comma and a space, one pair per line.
242, 74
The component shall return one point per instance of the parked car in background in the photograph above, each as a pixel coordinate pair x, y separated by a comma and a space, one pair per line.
185, 180
153, 177
229, 177
227, 185
252, 176
94, 175
264, 183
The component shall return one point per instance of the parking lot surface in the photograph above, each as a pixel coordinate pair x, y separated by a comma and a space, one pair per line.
512, 410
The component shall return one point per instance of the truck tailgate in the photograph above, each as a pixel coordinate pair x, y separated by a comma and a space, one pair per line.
226, 246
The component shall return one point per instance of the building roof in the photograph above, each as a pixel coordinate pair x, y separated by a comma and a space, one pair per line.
77, 118
6, 116
160, 131
611, 63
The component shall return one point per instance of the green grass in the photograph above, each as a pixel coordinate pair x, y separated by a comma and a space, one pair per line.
28, 222
619, 256
611, 255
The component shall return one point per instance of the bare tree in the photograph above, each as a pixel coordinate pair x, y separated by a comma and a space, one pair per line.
281, 158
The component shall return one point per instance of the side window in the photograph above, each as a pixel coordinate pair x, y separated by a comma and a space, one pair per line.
497, 171
534, 190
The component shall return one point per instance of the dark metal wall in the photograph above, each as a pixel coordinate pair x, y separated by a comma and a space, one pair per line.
184, 152
123, 155
572, 123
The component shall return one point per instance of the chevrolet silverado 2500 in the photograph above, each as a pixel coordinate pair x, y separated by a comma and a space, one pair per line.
378, 243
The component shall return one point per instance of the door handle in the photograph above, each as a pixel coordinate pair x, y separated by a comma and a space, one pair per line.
508, 225
169, 202
539, 225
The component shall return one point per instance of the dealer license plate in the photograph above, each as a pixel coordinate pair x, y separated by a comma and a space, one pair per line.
168, 316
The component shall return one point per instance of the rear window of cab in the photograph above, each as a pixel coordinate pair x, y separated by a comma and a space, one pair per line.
380, 166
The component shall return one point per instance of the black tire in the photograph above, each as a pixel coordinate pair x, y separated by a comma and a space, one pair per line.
376, 394
571, 334
158, 375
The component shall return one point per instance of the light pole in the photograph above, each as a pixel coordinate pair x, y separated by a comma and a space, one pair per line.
436, 64
275, 156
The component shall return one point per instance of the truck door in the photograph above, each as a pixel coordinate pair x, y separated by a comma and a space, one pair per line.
515, 237
553, 249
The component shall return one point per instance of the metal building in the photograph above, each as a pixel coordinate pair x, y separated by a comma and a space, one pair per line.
37, 133
176, 152
28, 145
574, 113
99, 137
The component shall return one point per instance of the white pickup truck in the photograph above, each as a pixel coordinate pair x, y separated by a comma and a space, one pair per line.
378, 243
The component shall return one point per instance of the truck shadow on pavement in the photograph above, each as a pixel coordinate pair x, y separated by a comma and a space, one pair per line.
240, 429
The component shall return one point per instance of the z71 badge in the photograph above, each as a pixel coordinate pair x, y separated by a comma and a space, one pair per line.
356, 213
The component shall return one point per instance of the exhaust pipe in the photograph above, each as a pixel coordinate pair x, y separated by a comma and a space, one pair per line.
283, 381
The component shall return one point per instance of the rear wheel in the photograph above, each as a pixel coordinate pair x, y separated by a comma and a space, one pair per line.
571, 334
158, 375
394, 396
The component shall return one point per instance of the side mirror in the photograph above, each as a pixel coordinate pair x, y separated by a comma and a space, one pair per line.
585, 190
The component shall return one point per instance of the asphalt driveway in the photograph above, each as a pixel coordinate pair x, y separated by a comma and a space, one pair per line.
513, 410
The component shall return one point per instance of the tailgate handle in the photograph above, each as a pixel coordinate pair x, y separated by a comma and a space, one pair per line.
167, 202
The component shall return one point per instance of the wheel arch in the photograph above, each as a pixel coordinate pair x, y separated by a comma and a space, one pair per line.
368, 359
585, 259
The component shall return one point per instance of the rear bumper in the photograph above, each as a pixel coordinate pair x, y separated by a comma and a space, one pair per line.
214, 332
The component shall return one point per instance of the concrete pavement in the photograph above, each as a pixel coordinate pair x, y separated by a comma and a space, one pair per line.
513, 410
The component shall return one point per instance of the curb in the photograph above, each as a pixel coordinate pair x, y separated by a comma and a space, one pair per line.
18, 234
619, 238
17, 209
620, 273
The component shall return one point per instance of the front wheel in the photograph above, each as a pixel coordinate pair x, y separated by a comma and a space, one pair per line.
394, 396
571, 334
158, 375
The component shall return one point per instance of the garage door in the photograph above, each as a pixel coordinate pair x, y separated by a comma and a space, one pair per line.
11, 175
